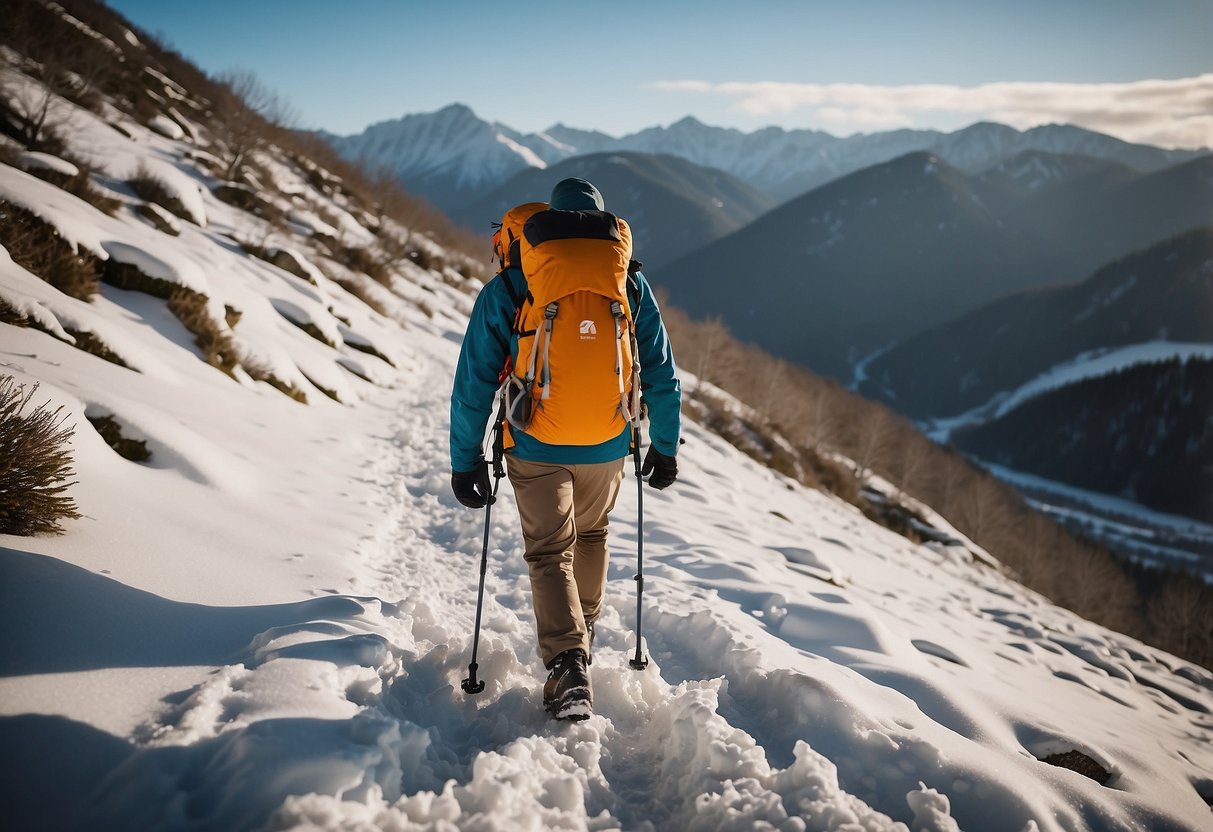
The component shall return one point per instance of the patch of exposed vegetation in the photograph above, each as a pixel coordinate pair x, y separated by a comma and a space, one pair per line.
150, 212
310, 328
35, 464
79, 184
246, 198
369, 349
332, 394
37, 247
91, 343
133, 449
151, 188
260, 372
359, 291
354, 371
9, 315
1077, 761
130, 277
217, 345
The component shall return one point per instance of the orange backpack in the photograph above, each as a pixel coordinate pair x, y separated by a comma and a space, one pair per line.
575, 376
508, 234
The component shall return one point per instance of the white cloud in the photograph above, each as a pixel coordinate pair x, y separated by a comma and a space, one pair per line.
1169, 113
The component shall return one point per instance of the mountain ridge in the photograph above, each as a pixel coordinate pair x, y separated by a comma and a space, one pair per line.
783, 162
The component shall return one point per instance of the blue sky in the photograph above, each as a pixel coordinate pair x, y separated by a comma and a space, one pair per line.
844, 67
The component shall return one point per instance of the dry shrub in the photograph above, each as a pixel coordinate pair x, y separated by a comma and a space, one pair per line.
218, 348
260, 372
1180, 618
332, 394
79, 185
369, 349
311, 329
35, 464
133, 449
37, 247
246, 198
151, 188
92, 344
130, 277
359, 291
9, 315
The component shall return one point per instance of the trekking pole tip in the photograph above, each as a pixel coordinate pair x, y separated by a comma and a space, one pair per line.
641, 660
471, 686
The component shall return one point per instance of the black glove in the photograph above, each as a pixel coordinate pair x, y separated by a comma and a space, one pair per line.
664, 468
472, 488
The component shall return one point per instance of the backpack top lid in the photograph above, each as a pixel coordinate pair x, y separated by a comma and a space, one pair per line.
566, 251
506, 239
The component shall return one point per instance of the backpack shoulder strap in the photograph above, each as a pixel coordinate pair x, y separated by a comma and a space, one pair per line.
633, 285
520, 295
515, 292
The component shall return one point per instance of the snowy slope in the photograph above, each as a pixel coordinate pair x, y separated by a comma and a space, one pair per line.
266, 626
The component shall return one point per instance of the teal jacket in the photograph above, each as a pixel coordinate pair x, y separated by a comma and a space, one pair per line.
488, 342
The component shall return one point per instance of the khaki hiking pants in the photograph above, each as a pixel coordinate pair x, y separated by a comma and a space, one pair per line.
563, 509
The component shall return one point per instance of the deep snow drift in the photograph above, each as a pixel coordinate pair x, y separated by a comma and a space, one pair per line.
266, 625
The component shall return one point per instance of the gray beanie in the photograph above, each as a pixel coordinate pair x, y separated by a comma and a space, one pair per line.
576, 195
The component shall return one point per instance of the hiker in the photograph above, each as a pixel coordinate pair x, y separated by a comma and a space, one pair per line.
564, 338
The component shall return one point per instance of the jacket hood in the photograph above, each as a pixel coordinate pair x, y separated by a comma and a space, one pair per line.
575, 194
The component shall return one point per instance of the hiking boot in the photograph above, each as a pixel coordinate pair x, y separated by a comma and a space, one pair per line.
567, 693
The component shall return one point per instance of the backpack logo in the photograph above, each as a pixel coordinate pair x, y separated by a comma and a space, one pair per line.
588, 330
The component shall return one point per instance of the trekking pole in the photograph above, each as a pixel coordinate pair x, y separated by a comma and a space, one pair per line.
471, 685
639, 661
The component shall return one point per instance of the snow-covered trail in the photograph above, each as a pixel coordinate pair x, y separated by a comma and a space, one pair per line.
810, 671
656, 755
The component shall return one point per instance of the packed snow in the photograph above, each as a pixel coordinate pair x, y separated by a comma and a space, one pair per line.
266, 625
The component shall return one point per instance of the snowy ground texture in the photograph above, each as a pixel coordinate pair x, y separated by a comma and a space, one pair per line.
265, 626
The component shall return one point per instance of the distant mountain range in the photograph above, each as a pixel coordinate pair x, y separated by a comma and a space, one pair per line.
881, 255
453, 158
674, 206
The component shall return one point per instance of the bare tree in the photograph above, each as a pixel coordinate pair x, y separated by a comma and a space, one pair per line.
249, 112
1181, 617
34, 90
710, 339
984, 510
908, 464
873, 439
